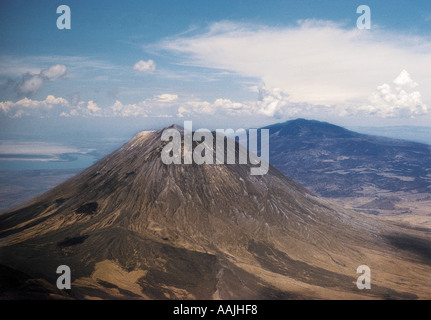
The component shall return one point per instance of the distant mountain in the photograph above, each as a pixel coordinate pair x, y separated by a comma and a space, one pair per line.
335, 162
132, 227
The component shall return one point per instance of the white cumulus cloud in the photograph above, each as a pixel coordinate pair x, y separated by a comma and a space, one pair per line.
93, 107
166, 97
145, 66
119, 109
54, 72
400, 100
28, 106
31, 83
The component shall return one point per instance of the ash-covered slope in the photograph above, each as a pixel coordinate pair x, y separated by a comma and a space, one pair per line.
133, 227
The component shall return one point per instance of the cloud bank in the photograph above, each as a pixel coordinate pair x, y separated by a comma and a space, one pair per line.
315, 63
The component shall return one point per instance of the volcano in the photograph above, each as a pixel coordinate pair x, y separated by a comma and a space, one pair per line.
132, 227
337, 163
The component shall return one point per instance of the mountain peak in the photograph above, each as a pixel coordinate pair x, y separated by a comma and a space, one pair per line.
176, 127
304, 127
131, 226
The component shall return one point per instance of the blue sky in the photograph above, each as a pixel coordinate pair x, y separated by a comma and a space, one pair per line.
219, 63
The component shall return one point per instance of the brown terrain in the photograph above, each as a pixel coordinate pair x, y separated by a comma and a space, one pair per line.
131, 227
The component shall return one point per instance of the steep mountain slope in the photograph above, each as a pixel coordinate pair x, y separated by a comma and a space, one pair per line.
133, 227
